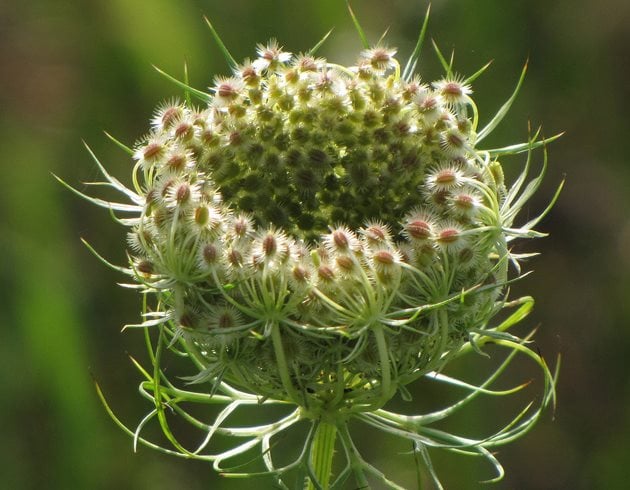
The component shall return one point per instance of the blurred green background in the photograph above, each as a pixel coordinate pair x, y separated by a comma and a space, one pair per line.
70, 69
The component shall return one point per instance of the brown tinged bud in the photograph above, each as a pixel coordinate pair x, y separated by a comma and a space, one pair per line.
145, 267
153, 151
269, 244
325, 273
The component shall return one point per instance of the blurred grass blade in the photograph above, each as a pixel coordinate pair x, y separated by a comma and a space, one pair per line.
314, 49
382, 38
410, 66
358, 27
187, 82
226, 53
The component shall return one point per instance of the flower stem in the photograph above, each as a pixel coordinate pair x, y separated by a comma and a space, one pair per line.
281, 361
322, 453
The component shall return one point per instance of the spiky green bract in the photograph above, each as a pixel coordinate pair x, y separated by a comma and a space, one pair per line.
321, 236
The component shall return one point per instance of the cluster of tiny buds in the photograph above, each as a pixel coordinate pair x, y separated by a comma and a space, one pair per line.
299, 142
317, 195
202, 243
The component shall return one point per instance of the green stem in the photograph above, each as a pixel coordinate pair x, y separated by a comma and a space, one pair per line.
322, 453
386, 374
283, 368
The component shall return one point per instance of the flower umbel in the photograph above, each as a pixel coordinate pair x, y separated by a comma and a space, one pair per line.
319, 237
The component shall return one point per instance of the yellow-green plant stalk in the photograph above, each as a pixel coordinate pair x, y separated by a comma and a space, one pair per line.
319, 237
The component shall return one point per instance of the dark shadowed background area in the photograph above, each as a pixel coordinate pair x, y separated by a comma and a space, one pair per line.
70, 69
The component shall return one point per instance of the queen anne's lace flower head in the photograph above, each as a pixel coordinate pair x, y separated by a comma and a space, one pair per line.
322, 235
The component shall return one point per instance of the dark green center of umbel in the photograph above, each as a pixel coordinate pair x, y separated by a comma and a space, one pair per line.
303, 144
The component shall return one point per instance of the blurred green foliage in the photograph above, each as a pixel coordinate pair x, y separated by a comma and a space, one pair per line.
72, 68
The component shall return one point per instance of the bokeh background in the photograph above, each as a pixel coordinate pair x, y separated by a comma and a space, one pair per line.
70, 69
